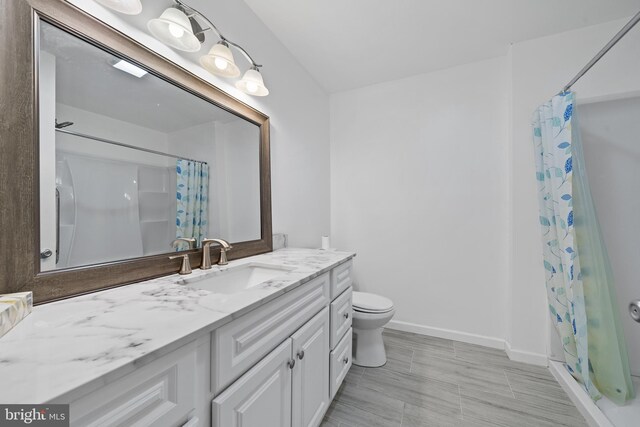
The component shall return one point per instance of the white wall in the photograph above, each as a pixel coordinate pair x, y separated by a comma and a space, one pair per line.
418, 184
239, 183
540, 68
298, 109
231, 149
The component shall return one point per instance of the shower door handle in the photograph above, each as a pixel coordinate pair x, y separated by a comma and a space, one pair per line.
47, 253
57, 225
634, 310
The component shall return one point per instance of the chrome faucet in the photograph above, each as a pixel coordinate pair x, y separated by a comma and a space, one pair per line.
185, 267
206, 253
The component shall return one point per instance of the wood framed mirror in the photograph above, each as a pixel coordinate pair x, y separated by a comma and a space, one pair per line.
108, 140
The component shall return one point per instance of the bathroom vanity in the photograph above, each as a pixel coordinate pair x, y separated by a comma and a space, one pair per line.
167, 353
106, 175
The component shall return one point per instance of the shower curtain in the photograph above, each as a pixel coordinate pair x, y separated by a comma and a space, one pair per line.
192, 199
579, 279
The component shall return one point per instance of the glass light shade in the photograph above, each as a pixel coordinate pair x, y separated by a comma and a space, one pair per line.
252, 83
128, 7
219, 61
174, 29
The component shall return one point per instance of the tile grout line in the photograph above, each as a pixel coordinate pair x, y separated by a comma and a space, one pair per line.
460, 396
508, 382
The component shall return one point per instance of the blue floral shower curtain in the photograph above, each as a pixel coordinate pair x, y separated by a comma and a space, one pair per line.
579, 279
192, 199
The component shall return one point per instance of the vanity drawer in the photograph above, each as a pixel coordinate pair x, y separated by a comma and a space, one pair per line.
240, 344
341, 278
340, 363
341, 316
161, 393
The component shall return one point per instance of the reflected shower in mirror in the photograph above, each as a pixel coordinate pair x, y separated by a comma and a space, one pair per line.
129, 162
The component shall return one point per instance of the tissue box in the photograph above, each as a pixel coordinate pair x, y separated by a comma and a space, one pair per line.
14, 308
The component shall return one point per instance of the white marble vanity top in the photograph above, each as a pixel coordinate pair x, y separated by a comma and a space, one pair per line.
67, 344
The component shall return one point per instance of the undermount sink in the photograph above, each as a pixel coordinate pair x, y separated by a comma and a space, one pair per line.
237, 279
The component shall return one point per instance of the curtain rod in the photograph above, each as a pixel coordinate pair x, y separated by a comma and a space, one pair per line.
603, 51
122, 144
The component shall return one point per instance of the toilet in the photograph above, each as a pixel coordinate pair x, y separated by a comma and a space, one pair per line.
370, 314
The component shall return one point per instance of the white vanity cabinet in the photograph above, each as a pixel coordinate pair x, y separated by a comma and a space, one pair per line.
278, 365
292, 386
288, 387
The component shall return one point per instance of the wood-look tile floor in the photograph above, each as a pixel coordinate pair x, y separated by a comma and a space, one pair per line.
436, 382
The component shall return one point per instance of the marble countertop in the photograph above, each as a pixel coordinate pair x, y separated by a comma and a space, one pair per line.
71, 343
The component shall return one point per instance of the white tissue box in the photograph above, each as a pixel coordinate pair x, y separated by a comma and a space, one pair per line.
14, 308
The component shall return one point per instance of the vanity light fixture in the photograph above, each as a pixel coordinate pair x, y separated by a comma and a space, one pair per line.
219, 61
174, 29
128, 7
130, 68
178, 27
252, 83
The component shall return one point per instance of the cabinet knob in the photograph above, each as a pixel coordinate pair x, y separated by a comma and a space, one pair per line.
291, 363
346, 360
301, 354
346, 315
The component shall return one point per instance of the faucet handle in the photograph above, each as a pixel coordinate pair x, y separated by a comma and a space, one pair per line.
185, 267
189, 240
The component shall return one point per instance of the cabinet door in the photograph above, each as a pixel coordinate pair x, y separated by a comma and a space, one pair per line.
261, 397
310, 398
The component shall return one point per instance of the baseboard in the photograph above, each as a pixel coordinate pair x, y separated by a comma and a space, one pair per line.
591, 413
515, 355
447, 333
525, 356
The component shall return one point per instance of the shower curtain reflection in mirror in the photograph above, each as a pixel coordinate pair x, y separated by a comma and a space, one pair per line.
192, 191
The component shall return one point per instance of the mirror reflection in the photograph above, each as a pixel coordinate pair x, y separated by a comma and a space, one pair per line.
130, 162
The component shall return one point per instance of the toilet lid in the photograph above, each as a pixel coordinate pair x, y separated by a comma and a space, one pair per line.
371, 303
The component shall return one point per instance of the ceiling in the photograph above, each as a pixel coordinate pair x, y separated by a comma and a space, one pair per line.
86, 79
354, 43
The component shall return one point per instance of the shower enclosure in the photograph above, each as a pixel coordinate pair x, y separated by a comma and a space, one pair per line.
611, 138
610, 132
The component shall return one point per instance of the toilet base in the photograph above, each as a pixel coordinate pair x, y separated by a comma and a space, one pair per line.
368, 348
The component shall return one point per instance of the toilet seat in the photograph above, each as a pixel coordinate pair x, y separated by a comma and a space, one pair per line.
364, 302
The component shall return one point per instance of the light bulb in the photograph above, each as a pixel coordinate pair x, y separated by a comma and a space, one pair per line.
176, 30
252, 87
221, 64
